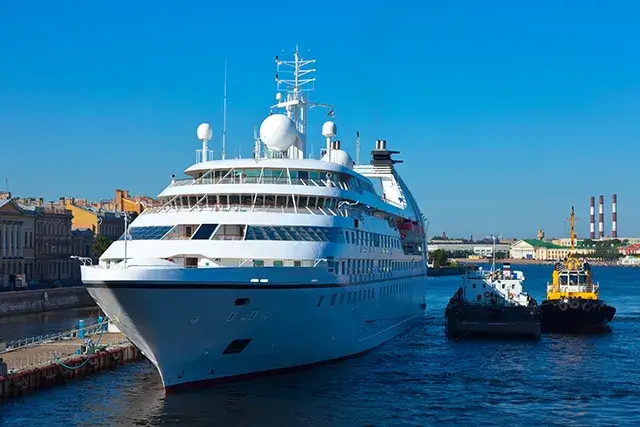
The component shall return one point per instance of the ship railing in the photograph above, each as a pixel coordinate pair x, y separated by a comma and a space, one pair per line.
88, 331
308, 182
583, 288
343, 211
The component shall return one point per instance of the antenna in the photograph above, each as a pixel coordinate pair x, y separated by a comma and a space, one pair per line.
256, 144
6, 183
357, 147
126, 236
294, 100
224, 114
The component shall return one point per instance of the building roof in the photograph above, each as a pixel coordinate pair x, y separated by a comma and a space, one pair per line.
100, 212
12, 203
542, 244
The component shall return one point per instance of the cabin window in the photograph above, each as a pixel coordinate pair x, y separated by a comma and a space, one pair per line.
277, 263
258, 263
297, 263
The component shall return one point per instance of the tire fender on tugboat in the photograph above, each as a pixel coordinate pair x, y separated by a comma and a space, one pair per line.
563, 306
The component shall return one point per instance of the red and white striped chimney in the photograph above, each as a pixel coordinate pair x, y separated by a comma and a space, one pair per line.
601, 218
614, 216
592, 218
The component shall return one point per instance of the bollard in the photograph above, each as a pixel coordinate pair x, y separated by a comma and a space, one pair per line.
81, 329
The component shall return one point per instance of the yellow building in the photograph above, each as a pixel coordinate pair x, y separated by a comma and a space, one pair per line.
109, 224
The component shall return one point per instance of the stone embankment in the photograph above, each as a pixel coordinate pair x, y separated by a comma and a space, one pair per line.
40, 300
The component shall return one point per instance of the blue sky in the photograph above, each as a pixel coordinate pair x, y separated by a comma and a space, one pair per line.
506, 114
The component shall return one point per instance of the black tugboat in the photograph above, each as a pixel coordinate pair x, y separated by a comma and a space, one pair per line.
492, 303
573, 303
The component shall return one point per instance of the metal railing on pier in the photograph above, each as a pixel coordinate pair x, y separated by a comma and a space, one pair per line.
79, 332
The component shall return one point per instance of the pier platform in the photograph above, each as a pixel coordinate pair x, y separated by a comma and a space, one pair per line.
37, 365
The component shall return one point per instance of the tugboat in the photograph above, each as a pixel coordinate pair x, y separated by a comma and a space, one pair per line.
492, 303
573, 303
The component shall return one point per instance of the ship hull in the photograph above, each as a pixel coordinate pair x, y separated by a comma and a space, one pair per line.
471, 320
205, 332
576, 316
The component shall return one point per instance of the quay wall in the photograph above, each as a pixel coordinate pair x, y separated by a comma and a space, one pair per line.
40, 300
35, 377
445, 271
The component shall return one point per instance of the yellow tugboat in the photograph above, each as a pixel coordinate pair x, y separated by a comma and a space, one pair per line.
573, 304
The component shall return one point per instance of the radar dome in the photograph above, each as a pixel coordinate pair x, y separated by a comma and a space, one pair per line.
278, 132
205, 131
329, 129
340, 157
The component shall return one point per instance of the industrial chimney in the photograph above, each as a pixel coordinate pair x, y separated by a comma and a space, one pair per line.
601, 218
614, 217
592, 218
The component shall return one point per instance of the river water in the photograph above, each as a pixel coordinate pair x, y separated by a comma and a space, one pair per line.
420, 378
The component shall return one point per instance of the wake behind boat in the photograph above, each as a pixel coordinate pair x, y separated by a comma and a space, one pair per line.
256, 265
492, 303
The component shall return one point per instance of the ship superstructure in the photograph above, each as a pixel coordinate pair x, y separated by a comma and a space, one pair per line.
492, 303
277, 261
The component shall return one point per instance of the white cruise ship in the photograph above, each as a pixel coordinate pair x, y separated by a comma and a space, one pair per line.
278, 261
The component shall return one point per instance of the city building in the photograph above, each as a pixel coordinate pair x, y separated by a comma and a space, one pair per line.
475, 248
16, 243
633, 249
53, 244
86, 216
82, 241
542, 250
567, 241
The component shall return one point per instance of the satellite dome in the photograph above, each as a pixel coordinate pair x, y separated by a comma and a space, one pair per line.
278, 132
205, 131
340, 157
329, 129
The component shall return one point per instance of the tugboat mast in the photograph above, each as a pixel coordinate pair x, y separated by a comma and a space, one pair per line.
572, 262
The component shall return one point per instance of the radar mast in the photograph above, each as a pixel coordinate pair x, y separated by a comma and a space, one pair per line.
296, 85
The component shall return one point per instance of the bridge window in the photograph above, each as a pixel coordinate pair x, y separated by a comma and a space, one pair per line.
204, 232
147, 233
304, 234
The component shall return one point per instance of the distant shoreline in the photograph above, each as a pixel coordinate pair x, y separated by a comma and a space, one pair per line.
519, 261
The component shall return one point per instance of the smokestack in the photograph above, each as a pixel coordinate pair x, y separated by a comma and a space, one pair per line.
614, 217
592, 218
601, 218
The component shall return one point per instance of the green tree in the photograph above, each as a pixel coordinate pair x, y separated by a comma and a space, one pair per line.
101, 245
438, 257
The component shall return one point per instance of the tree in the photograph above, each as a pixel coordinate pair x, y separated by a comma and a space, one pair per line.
438, 257
101, 245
